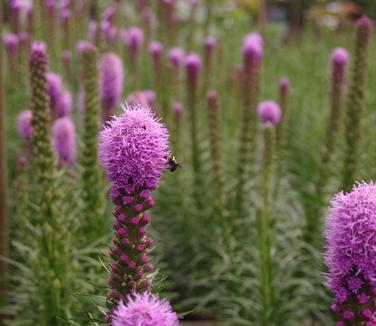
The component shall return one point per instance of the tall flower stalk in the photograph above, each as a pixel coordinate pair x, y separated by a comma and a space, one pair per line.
51, 269
133, 151
338, 85
193, 68
351, 255
252, 56
282, 130
355, 101
90, 176
270, 115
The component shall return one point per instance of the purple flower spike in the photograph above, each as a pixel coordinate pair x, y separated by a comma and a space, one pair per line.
178, 111
176, 57
193, 67
351, 254
284, 85
54, 89
24, 128
64, 105
155, 49
64, 140
134, 147
133, 150
11, 44
144, 309
340, 56
252, 48
210, 44
269, 112
111, 83
365, 23
135, 40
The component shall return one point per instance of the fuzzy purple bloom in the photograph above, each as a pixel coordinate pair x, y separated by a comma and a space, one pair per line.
252, 47
134, 147
23, 38
134, 40
64, 104
38, 52
351, 253
111, 82
210, 44
64, 140
178, 111
11, 43
24, 127
144, 309
193, 67
340, 58
284, 85
83, 45
54, 90
155, 48
176, 57
269, 112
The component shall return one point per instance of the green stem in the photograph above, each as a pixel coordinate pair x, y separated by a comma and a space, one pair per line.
264, 229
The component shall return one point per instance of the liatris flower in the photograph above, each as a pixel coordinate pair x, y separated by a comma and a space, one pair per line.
155, 50
350, 255
178, 112
67, 62
92, 32
111, 76
215, 140
339, 64
64, 140
252, 55
355, 101
11, 43
133, 150
283, 127
193, 68
109, 14
144, 309
269, 112
24, 127
135, 40
44, 159
54, 89
65, 16
145, 98
64, 105
176, 57
210, 44
90, 176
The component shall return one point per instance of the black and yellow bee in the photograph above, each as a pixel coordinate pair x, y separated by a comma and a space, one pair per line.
172, 163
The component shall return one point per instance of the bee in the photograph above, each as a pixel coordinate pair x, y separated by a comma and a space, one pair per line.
172, 163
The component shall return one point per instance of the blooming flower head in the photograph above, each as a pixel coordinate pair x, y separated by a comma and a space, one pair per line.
144, 309
176, 56
135, 39
64, 140
54, 84
155, 48
134, 147
193, 67
351, 252
178, 111
269, 112
340, 56
284, 85
253, 47
64, 105
24, 127
111, 81
11, 43
210, 41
